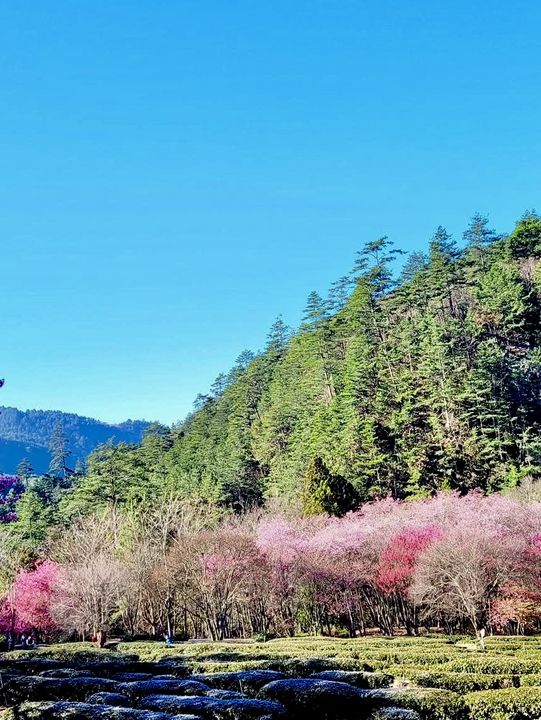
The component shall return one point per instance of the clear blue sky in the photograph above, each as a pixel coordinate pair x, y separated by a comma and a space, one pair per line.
175, 174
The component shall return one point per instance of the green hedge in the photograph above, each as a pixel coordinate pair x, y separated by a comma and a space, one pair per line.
418, 657
304, 667
495, 665
523, 703
430, 703
464, 682
529, 680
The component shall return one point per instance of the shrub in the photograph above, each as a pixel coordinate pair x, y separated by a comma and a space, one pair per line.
431, 704
464, 682
365, 680
304, 667
495, 665
523, 703
530, 680
412, 657
66, 652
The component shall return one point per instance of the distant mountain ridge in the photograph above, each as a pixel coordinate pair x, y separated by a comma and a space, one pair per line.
27, 433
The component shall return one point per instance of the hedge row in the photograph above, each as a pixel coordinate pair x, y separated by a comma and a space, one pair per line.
432, 704
523, 703
495, 665
457, 682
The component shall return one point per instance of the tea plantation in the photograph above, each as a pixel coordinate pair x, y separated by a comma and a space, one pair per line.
425, 678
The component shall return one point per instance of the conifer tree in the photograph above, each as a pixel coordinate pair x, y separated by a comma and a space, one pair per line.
117, 477
525, 240
314, 312
34, 518
25, 470
339, 293
327, 493
278, 336
478, 235
59, 452
478, 238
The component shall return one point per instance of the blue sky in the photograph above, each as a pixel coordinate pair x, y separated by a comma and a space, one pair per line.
176, 174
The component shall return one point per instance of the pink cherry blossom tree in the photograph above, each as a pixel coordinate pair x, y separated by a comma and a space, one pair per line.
28, 605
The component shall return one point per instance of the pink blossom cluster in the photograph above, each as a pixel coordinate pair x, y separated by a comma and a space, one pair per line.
29, 604
10, 493
375, 566
453, 562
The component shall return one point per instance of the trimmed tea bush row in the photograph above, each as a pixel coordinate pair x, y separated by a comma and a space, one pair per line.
522, 703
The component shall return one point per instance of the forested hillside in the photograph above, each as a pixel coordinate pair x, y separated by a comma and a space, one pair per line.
28, 434
391, 386
396, 388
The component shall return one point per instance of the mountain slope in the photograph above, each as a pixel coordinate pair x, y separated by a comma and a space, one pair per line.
27, 434
401, 388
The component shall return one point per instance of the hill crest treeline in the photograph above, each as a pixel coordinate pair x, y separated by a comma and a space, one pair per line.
28, 434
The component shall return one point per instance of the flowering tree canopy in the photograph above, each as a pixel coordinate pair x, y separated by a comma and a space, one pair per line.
465, 561
29, 604
10, 492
